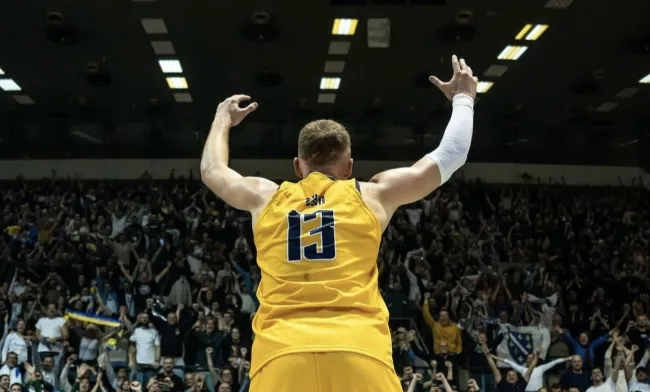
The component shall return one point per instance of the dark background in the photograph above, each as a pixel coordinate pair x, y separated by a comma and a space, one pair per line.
543, 109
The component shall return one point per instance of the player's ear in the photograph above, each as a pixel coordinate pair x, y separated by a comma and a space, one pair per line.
348, 168
296, 167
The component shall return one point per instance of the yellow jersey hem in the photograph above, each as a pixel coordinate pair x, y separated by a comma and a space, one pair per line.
318, 349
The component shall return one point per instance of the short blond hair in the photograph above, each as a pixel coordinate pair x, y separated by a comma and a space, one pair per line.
323, 142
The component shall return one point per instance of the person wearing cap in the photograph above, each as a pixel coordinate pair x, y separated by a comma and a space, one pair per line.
637, 381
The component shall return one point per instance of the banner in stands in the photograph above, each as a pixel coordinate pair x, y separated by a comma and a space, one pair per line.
124, 169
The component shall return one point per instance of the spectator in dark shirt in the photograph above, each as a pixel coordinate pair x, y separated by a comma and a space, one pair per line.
639, 335
207, 338
512, 382
168, 372
172, 333
576, 376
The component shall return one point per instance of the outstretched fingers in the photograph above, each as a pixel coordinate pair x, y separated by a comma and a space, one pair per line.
455, 64
250, 108
240, 98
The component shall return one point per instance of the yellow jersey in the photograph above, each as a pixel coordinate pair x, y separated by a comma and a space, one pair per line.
317, 243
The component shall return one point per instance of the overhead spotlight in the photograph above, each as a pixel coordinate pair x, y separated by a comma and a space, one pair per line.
261, 28
464, 17
59, 30
97, 75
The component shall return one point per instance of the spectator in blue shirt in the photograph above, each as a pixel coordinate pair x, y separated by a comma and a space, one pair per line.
582, 347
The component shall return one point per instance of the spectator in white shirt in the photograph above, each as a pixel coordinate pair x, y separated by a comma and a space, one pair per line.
637, 381
9, 364
535, 380
147, 350
600, 384
17, 342
51, 332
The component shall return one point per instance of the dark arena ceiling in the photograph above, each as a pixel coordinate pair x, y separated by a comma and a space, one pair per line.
92, 85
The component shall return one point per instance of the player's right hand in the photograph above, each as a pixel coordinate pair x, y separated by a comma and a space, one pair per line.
230, 111
462, 81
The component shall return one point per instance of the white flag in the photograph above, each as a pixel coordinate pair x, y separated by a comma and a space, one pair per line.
519, 342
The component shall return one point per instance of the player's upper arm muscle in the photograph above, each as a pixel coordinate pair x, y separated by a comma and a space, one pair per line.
242, 193
404, 185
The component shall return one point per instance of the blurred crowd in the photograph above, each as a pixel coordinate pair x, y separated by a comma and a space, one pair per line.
533, 287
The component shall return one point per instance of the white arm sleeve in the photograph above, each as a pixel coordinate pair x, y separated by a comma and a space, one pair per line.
452, 152
517, 367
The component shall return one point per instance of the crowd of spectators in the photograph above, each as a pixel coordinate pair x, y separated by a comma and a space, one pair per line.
459, 272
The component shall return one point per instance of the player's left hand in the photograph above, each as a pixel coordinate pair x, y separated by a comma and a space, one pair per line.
230, 111
461, 81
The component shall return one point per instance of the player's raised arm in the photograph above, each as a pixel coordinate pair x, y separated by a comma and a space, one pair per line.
243, 193
401, 186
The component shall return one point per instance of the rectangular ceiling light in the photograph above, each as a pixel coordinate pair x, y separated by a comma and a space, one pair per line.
495, 71
326, 98
378, 32
558, 4
627, 92
177, 83
512, 52
24, 99
170, 66
607, 106
163, 47
484, 87
535, 33
344, 26
2, 72
339, 47
334, 66
183, 97
330, 83
9, 85
645, 79
523, 32
154, 25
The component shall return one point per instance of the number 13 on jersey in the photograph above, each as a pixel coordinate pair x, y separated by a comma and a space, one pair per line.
316, 244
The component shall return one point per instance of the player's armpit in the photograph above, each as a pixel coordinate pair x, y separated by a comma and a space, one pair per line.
404, 185
243, 193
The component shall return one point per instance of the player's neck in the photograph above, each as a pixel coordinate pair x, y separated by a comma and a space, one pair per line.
326, 171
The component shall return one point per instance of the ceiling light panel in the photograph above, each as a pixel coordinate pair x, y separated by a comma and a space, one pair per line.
154, 25
24, 99
531, 32
627, 92
512, 52
2, 72
495, 71
344, 26
378, 33
183, 97
339, 48
522, 33
170, 66
9, 85
326, 98
177, 83
484, 87
607, 106
645, 79
330, 83
163, 47
334, 66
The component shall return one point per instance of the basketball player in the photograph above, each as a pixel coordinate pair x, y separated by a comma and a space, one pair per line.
322, 325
